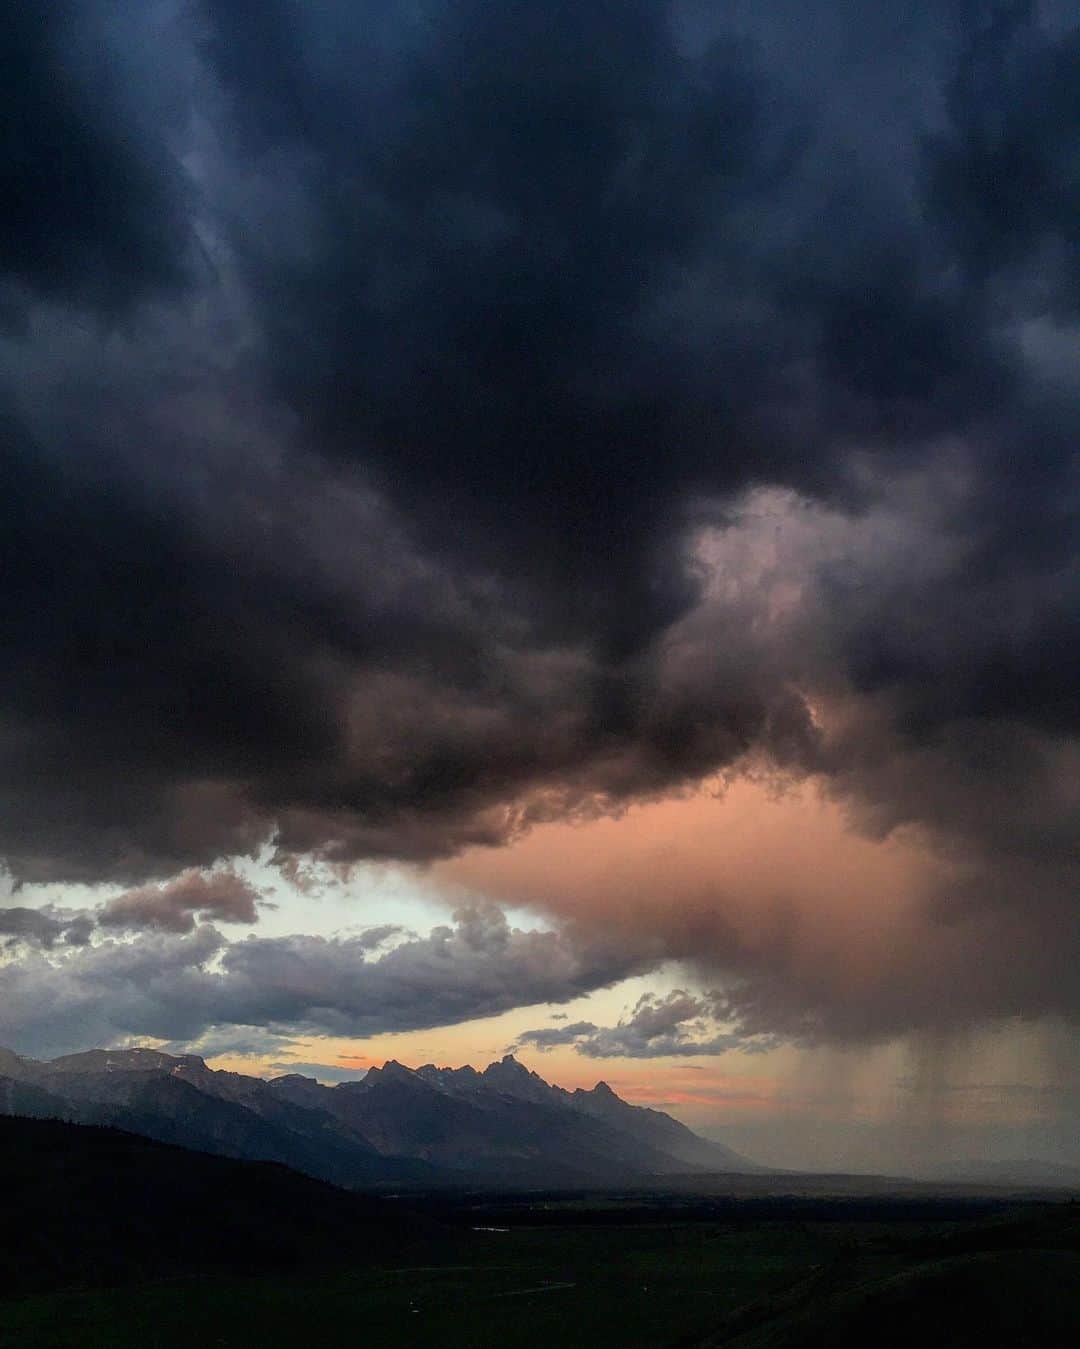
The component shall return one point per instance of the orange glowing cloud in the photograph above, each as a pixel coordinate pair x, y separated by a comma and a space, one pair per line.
744, 882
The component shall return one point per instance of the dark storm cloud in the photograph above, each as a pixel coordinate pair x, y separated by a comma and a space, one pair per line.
560, 274
376, 372
93, 207
1004, 175
495, 195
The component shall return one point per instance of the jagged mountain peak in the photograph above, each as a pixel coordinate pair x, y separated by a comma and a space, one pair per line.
514, 1079
508, 1068
391, 1071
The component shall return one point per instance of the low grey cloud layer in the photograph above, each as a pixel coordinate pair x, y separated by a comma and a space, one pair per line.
172, 907
179, 986
678, 1025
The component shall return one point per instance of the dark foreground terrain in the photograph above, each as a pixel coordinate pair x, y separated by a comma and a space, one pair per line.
111, 1240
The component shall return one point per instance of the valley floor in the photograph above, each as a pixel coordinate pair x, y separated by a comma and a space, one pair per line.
596, 1278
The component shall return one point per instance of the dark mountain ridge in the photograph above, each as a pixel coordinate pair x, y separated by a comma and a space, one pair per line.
394, 1127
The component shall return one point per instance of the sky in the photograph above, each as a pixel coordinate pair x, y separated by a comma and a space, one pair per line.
550, 527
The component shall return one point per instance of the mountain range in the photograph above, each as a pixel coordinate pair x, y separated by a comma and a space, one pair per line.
396, 1127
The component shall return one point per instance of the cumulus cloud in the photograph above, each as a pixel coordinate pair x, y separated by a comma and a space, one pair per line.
679, 1025
45, 926
222, 895
550, 1037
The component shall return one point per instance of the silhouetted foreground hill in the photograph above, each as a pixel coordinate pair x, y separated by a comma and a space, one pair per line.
395, 1127
89, 1206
